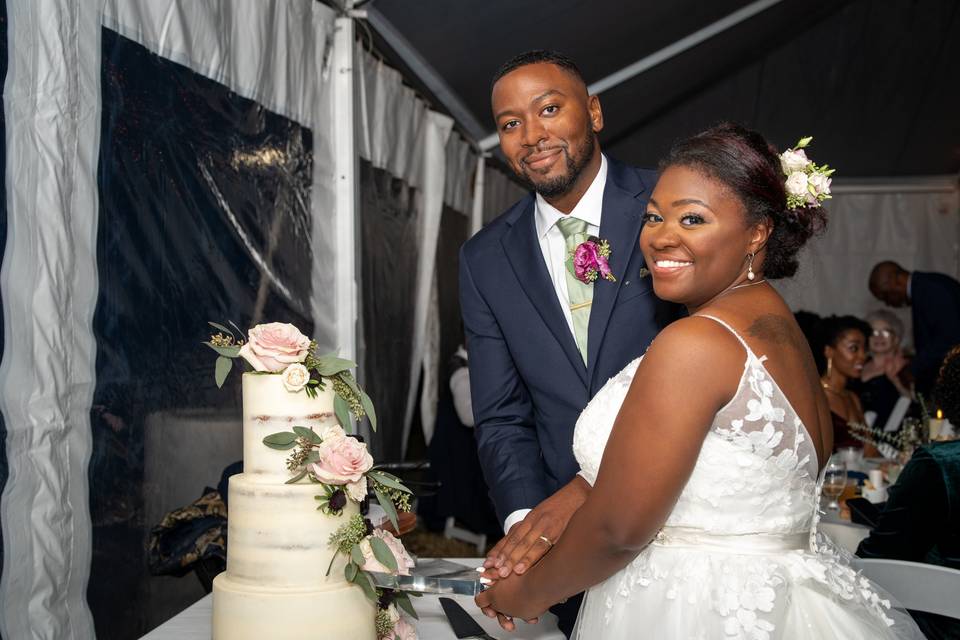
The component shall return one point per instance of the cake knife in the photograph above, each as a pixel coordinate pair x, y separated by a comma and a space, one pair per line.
450, 578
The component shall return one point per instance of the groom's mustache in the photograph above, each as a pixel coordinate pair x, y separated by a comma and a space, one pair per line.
540, 150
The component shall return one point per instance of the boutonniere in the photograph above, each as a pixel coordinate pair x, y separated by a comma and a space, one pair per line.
590, 260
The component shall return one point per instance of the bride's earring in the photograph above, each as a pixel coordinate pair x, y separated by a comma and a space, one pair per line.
829, 367
750, 274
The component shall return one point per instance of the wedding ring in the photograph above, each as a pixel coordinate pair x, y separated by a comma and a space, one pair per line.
547, 540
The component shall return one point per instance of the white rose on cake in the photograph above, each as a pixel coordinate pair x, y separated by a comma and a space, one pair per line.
295, 377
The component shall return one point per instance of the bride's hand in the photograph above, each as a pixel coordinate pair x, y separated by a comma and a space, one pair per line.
531, 538
505, 600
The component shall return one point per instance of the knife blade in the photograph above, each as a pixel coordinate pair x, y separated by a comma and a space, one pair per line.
433, 576
463, 583
463, 624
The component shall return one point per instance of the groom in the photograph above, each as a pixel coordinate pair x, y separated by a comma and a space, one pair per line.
541, 340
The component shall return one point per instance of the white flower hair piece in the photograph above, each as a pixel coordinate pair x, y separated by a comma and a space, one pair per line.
807, 183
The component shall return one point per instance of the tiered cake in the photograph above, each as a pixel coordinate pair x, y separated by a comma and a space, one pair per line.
276, 584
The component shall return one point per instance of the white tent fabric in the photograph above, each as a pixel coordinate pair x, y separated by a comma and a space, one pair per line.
915, 222
49, 291
268, 51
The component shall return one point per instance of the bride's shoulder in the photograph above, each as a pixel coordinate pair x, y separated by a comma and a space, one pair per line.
698, 339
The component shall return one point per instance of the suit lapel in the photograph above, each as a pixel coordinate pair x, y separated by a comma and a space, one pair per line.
620, 226
526, 258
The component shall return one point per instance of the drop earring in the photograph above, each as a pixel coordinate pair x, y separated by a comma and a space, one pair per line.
750, 274
829, 367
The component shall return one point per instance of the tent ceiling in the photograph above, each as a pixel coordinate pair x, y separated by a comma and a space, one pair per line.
877, 83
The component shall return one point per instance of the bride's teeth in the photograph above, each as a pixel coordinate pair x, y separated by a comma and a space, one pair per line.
672, 263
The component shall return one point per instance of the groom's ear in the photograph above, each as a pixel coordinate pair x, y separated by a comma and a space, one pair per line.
596, 113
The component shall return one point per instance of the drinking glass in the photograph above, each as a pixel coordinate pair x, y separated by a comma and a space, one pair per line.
834, 482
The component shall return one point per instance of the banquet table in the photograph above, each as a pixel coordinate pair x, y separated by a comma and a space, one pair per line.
194, 622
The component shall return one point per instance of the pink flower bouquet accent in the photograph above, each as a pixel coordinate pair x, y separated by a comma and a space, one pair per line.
590, 260
342, 461
404, 561
273, 346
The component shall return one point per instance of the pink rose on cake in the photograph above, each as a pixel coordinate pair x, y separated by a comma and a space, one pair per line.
343, 460
404, 561
403, 630
273, 346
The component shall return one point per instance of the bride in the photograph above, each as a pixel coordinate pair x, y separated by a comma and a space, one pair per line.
704, 455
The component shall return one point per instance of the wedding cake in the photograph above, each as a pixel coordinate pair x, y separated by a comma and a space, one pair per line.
298, 549
278, 541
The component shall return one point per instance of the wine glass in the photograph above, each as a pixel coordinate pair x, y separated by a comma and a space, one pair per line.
834, 482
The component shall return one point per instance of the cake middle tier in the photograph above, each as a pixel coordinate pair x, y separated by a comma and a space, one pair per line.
277, 536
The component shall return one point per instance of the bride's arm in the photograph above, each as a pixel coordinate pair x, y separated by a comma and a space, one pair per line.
687, 375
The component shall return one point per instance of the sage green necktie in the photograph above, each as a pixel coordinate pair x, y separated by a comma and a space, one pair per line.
579, 293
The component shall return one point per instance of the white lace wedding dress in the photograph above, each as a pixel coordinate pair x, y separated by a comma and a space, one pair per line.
736, 558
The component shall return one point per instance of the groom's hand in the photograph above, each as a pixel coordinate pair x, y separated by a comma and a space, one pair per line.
531, 538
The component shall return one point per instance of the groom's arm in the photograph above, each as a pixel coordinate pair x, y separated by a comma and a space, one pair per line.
507, 440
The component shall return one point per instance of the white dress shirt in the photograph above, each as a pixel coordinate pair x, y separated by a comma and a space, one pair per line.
554, 248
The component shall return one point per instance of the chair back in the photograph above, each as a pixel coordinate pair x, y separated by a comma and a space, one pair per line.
915, 585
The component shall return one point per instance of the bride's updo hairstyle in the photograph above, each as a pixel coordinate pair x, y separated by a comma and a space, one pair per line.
744, 162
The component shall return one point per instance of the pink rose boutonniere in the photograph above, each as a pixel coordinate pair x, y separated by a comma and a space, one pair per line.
590, 260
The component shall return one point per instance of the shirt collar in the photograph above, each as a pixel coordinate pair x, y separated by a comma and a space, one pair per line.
589, 208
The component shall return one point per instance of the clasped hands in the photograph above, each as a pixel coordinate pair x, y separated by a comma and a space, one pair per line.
524, 546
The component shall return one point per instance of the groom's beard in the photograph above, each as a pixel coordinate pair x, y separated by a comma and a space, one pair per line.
552, 187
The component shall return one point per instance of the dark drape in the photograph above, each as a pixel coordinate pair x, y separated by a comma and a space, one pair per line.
388, 268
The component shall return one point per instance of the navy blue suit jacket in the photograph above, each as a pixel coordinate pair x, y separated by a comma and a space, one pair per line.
935, 302
528, 380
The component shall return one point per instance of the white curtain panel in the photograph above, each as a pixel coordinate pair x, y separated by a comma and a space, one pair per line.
268, 51
913, 222
49, 290
401, 135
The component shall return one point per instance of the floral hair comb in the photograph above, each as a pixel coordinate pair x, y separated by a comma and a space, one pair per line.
807, 182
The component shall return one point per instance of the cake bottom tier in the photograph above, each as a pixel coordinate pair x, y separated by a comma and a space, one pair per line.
248, 612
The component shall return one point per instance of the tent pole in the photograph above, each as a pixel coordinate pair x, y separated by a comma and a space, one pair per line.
345, 196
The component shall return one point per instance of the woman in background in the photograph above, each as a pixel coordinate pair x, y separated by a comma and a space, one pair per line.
844, 352
885, 377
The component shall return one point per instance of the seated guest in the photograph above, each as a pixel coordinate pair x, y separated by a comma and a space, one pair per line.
921, 519
934, 299
886, 374
840, 358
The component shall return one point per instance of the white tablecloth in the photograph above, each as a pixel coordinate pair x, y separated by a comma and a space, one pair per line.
194, 622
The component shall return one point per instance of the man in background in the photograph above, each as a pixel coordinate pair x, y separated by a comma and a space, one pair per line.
934, 299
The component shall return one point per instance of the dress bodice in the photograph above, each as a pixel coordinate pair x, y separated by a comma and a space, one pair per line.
757, 468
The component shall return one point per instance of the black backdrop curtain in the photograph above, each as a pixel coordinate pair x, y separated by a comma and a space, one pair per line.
388, 266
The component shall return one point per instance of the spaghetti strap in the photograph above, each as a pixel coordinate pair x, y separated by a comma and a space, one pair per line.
728, 327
